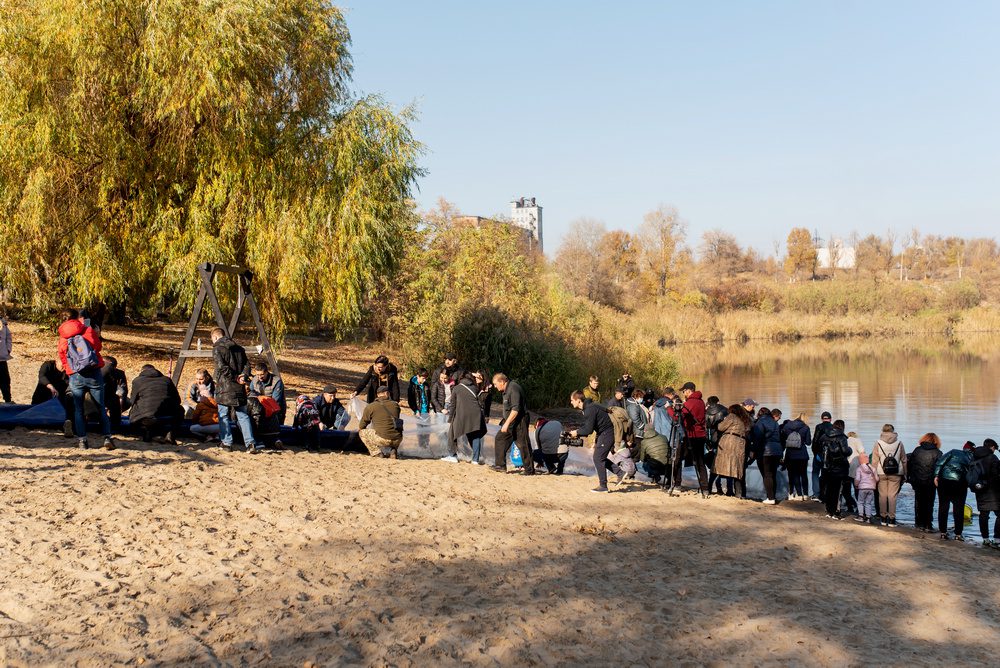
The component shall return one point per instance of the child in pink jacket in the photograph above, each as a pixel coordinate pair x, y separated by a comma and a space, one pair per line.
865, 482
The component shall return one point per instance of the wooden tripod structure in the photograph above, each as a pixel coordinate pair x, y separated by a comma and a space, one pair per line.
244, 298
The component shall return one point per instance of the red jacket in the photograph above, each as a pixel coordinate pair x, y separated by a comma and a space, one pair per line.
68, 330
694, 416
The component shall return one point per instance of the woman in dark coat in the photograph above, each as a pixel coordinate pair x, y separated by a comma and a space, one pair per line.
729, 459
988, 499
467, 418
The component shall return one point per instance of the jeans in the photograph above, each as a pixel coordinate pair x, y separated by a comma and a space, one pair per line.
80, 384
654, 469
923, 501
951, 492
477, 448
226, 425
205, 429
816, 485
798, 481
866, 503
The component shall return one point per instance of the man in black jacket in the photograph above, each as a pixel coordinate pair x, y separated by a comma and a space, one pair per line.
513, 425
822, 429
232, 373
332, 414
382, 373
156, 406
596, 421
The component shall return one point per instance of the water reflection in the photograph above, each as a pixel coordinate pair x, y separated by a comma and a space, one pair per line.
950, 386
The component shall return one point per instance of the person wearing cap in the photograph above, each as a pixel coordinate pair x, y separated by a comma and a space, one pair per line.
822, 430
381, 429
619, 397
332, 414
693, 445
952, 488
382, 373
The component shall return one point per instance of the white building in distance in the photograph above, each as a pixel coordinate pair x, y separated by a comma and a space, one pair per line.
527, 214
835, 253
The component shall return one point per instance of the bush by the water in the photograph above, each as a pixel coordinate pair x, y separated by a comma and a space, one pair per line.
477, 291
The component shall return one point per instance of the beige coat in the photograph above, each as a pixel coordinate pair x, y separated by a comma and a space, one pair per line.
732, 447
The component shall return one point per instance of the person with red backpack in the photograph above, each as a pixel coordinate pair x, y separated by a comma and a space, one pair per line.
80, 357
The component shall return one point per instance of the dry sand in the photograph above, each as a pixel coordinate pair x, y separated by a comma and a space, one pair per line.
196, 556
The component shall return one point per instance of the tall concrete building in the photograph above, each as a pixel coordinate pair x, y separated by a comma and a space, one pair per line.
527, 214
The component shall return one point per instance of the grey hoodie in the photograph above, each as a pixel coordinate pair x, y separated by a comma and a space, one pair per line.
888, 444
6, 342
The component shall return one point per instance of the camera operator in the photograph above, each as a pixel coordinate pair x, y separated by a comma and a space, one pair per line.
693, 445
596, 421
553, 448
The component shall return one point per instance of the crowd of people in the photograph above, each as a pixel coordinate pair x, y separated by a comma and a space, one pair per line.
659, 433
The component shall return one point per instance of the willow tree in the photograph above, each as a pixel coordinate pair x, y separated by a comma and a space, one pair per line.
139, 138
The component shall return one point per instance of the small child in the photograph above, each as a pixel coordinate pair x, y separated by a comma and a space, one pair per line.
865, 481
622, 457
307, 422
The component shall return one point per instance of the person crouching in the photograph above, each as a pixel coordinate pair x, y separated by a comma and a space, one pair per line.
551, 451
381, 428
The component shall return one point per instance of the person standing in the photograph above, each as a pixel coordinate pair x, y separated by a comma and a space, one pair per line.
824, 426
596, 421
988, 498
836, 466
467, 419
715, 413
382, 373
232, 371
627, 383
767, 452
889, 461
380, 427
730, 460
637, 413
921, 464
949, 478
592, 391
6, 350
865, 481
418, 394
857, 447
693, 445
80, 356
513, 425
797, 441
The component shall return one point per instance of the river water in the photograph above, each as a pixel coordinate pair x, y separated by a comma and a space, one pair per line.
921, 384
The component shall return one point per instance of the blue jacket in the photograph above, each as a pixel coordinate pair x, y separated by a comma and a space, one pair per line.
802, 429
953, 465
766, 438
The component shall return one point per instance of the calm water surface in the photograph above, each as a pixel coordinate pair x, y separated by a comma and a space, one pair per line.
920, 384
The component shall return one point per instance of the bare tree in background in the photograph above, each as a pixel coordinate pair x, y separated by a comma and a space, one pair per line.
722, 252
577, 260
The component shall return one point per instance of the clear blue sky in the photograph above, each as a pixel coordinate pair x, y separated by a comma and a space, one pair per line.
752, 117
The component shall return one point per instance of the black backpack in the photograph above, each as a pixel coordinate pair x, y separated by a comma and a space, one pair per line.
976, 476
890, 465
836, 452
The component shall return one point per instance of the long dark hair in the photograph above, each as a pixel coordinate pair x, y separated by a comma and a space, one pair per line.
741, 413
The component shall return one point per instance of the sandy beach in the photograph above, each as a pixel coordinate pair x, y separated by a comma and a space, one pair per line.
158, 555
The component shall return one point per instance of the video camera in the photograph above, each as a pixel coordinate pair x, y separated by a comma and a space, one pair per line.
566, 439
